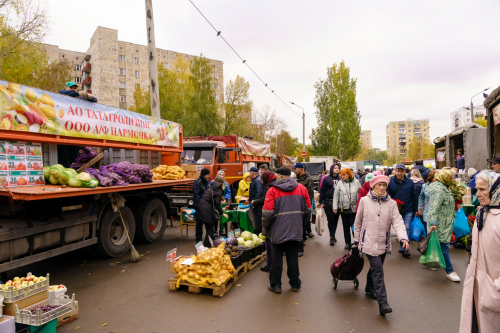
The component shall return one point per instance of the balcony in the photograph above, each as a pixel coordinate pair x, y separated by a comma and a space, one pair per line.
87, 81
87, 68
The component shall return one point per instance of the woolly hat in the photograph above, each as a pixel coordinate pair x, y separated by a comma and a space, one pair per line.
471, 172
379, 179
204, 172
369, 177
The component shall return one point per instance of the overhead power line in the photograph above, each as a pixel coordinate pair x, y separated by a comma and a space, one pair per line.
219, 34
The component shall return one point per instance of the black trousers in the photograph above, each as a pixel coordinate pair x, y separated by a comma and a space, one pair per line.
375, 278
199, 230
347, 222
333, 219
291, 250
209, 231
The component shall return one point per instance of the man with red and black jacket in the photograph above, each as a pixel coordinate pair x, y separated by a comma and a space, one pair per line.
286, 210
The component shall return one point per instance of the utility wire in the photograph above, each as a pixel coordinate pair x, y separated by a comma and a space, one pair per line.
219, 34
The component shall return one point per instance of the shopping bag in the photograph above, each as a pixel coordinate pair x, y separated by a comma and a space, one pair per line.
252, 216
416, 227
433, 258
320, 221
423, 245
461, 227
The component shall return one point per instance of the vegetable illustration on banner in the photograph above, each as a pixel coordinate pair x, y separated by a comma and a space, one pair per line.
33, 110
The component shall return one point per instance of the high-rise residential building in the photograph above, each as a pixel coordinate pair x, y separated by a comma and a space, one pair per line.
400, 133
463, 116
366, 139
112, 69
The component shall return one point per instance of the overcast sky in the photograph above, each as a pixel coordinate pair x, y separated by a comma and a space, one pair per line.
420, 59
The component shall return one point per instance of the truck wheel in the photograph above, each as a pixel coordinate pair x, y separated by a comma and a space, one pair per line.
151, 220
112, 239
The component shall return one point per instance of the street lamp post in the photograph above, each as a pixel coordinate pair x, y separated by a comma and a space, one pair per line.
303, 130
472, 106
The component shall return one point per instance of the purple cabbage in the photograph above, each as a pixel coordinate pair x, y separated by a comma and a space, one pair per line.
122, 174
85, 155
218, 241
232, 241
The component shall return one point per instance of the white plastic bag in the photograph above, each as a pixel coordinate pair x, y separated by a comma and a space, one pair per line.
320, 221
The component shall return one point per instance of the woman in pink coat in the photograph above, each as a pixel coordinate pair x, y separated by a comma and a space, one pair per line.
376, 213
481, 295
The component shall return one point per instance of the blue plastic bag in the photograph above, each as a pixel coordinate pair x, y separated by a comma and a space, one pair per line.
460, 227
416, 228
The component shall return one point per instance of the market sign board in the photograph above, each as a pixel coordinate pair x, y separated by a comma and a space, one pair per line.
32, 110
496, 114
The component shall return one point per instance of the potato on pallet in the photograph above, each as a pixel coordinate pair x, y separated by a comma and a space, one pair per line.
162, 172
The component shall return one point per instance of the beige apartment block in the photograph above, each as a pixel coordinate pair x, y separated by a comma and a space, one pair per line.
112, 69
366, 139
399, 134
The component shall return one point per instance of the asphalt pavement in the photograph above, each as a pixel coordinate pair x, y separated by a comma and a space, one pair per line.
116, 295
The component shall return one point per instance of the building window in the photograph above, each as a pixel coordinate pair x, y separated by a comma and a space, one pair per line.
121, 57
136, 73
216, 96
77, 67
215, 75
179, 70
137, 85
122, 85
215, 85
165, 64
123, 98
137, 61
393, 131
409, 131
122, 71
425, 129
78, 79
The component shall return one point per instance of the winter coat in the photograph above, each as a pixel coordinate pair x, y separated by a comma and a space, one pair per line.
306, 180
472, 183
346, 195
328, 186
257, 189
424, 172
260, 202
483, 274
372, 226
243, 187
460, 162
407, 194
418, 184
441, 211
200, 186
287, 209
362, 180
227, 190
363, 190
205, 211
423, 199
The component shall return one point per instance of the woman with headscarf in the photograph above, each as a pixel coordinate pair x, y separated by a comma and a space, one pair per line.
374, 218
442, 216
211, 201
423, 199
481, 294
344, 201
244, 186
417, 179
227, 189
268, 178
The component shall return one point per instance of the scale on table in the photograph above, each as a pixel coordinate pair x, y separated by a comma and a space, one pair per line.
233, 206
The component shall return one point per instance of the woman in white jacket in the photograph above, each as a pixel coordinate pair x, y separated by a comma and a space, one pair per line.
372, 234
345, 199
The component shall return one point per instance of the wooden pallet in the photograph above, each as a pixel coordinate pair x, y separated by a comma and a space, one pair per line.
256, 261
217, 291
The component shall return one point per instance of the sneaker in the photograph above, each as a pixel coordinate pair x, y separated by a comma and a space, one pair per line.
276, 289
433, 269
385, 309
301, 254
310, 235
453, 277
406, 254
347, 247
265, 269
372, 293
332, 241
296, 288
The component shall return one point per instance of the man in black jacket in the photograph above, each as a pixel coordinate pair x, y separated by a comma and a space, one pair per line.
304, 178
200, 186
326, 198
211, 200
257, 190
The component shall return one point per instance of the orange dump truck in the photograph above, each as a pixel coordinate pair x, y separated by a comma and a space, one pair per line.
39, 221
230, 153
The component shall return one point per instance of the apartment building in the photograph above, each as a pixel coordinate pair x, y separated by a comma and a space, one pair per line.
112, 69
399, 134
366, 139
463, 116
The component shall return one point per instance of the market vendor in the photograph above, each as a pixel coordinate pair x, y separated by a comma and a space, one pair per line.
244, 187
71, 91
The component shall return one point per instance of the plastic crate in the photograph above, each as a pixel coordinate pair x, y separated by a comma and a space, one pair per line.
11, 295
238, 260
39, 318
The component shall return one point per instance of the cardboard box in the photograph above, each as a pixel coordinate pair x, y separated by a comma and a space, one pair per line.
174, 261
193, 175
9, 309
70, 316
191, 167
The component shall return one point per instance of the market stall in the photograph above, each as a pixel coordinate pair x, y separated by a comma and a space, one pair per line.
238, 216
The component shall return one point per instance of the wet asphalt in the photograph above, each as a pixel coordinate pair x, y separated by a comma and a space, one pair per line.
116, 295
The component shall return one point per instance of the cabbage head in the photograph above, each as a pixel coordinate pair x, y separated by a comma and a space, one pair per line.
83, 176
257, 242
247, 235
262, 237
248, 243
241, 240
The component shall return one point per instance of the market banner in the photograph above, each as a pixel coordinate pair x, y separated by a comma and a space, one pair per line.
252, 147
32, 110
290, 159
496, 114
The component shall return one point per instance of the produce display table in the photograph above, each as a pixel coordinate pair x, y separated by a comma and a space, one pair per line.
240, 216
40, 192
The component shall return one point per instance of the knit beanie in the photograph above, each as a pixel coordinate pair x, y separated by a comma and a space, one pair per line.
378, 179
369, 177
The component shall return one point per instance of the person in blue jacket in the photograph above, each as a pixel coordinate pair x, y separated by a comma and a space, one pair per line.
200, 186
402, 188
257, 190
472, 173
227, 191
460, 160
